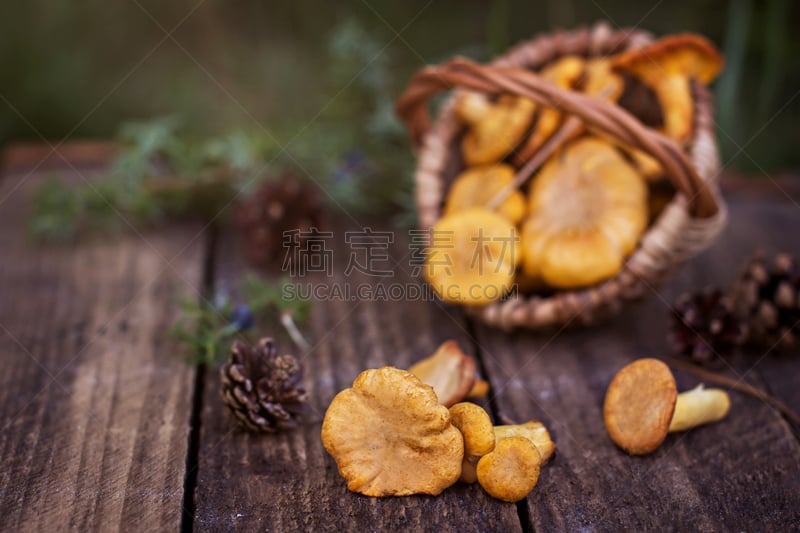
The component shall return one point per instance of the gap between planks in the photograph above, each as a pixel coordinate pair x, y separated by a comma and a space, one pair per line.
523, 510
198, 392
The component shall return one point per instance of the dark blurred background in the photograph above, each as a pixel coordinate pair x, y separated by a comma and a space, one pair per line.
77, 69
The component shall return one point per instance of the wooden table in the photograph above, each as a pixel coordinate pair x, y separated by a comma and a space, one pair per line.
105, 425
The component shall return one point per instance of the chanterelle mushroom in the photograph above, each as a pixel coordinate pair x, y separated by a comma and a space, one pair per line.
642, 405
588, 208
534, 431
477, 186
472, 257
495, 128
511, 471
667, 66
450, 372
476, 427
390, 436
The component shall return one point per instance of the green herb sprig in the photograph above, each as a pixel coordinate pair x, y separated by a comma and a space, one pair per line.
208, 327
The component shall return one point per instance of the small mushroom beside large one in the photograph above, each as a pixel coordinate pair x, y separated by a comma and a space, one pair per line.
642, 406
479, 438
511, 470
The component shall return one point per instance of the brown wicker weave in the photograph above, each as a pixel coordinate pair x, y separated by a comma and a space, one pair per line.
687, 225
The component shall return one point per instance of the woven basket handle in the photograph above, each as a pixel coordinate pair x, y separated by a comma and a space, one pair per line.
412, 108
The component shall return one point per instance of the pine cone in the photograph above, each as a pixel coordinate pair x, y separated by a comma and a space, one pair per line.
262, 389
277, 206
768, 300
704, 326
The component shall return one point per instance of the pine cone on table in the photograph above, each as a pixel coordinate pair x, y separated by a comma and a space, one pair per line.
768, 300
276, 207
704, 326
262, 389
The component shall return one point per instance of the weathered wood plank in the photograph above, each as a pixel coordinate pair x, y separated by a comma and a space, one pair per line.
738, 474
94, 399
288, 482
774, 232
25, 157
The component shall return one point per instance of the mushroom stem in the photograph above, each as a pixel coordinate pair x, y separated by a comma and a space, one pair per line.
675, 95
699, 406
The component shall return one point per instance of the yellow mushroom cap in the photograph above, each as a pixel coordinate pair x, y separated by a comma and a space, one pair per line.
639, 405
476, 427
450, 372
511, 471
588, 208
495, 128
666, 66
472, 257
390, 436
476, 187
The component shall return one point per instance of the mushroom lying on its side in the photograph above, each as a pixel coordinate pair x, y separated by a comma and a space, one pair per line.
495, 127
534, 431
642, 405
667, 66
450, 372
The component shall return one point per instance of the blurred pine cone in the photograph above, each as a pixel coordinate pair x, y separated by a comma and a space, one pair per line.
276, 207
768, 300
262, 389
704, 326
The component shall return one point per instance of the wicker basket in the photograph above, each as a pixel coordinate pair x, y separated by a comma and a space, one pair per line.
689, 224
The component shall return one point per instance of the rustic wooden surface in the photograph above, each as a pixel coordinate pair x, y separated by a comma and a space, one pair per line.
99, 424
288, 482
94, 401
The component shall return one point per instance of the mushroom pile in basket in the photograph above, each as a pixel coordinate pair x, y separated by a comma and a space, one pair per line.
568, 175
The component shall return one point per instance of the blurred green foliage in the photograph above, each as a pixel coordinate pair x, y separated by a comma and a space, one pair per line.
163, 167
79, 69
160, 170
208, 327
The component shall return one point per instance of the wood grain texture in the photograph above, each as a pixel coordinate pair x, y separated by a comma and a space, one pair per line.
776, 231
739, 474
94, 398
289, 482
